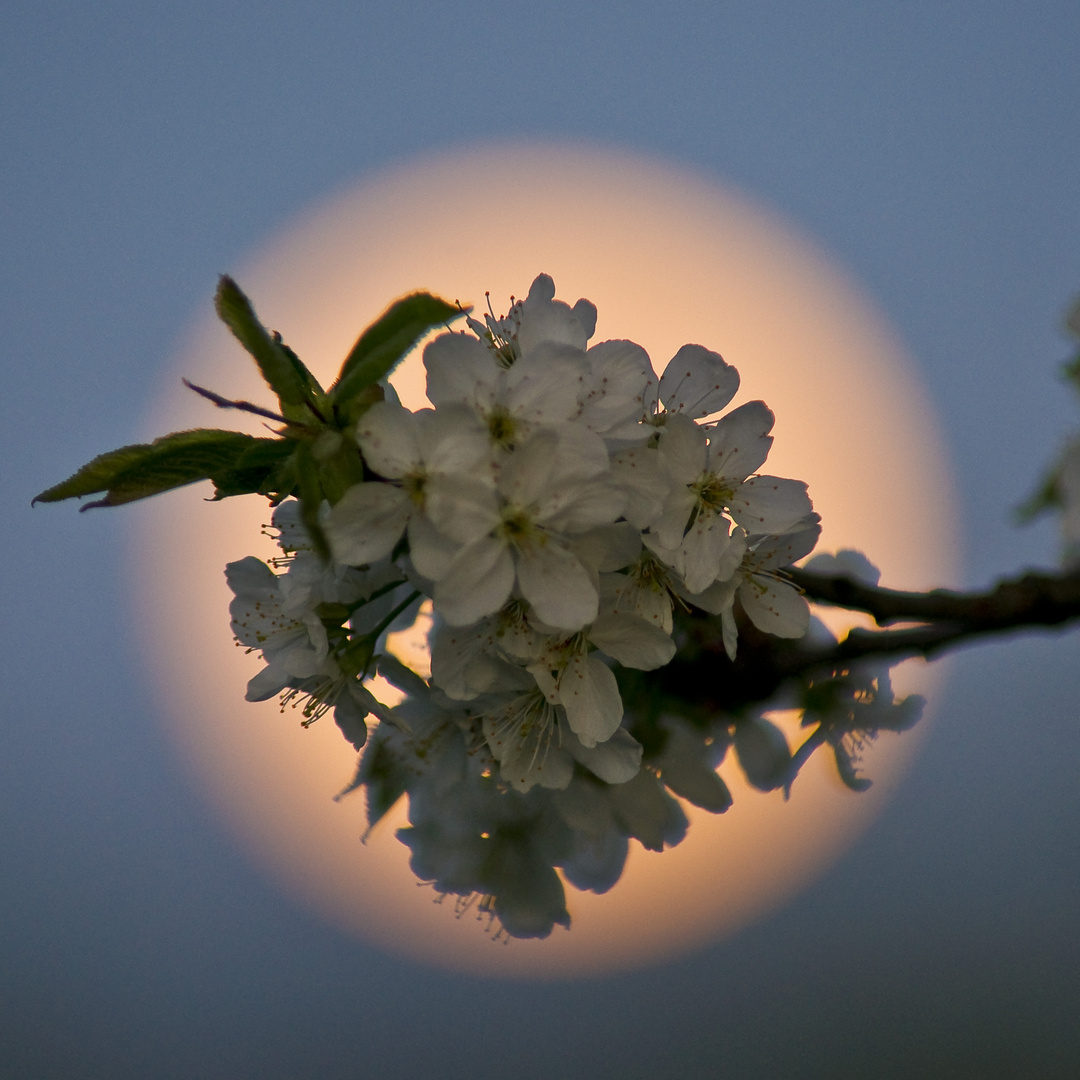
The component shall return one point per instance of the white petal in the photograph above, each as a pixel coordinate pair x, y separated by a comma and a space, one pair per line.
670, 526
704, 549
730, 631
590, 695
256, 608
717, 598
609, 547
367, 522
615, 761
463, 508
542, 387
770, 504
649, 600
684, 448
641, 472
452, 440
617, 375
632, 641
524, 764
293, 535
542, 289
460, 370
477, 583
782, 551
670, 557
685, 768
775, 607
845, 563
453, 649
585, 313
698, 382
581, 506
387, 435
549, 463
559, 588
430, 551
546, 319
267, 684
740, 442
526, 473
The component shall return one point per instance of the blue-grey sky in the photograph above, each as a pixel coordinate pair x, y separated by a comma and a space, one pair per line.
931, 148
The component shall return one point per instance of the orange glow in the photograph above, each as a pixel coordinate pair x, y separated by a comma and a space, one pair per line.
668, 259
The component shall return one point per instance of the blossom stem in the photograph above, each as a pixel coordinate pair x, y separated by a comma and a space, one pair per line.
411, 598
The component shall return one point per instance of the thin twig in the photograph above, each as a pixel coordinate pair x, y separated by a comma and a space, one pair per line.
243, 406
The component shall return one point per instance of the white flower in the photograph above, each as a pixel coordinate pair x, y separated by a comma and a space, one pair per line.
527, 735
549, 490
294, 644
769, 599
511, 403
712, 479
419, 452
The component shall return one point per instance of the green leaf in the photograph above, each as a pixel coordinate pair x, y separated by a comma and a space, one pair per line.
383, 344
144, 469
310, 489
266, 467
295, 386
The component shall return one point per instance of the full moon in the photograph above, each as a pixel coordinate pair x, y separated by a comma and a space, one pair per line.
668, 257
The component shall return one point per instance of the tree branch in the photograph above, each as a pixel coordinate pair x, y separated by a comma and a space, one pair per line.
764, 664
1031, 600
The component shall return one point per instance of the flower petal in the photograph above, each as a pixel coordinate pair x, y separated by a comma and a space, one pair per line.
615, 761
632, 641
463, 508
387, 434
683, 446
460, 370
698, 382
366, 523
775, 607
559, 588
740, 442
477, 583
590, 695
430, 551
770, 504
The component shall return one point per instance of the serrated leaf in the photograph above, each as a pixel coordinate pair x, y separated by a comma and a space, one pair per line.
282, 369
381, 347
262, 469
144, 469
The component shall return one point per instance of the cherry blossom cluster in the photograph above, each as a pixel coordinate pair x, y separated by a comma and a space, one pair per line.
555, 504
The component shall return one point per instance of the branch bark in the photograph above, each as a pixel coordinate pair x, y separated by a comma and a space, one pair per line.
944, 619
1030, 600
